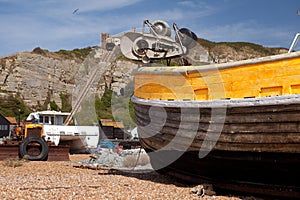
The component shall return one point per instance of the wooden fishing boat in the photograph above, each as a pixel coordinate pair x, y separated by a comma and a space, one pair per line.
229, 123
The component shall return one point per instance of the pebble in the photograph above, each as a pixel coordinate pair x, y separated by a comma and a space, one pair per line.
61, 180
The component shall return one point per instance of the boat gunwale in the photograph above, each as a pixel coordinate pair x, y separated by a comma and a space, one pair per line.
221, 103
186, 70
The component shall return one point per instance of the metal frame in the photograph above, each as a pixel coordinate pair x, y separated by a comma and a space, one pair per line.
295, 42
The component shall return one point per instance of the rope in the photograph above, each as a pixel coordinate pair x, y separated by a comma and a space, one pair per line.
137, 158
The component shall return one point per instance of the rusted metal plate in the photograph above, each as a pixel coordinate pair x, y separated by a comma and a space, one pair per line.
9, 151
56, 153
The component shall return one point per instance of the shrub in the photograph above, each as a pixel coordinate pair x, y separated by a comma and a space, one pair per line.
13, 162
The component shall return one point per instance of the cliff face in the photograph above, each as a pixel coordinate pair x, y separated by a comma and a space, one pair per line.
34, 77
40, 79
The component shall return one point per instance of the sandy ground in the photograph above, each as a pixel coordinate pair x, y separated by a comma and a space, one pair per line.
62, 180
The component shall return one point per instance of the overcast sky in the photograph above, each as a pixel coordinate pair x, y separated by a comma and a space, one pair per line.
53, 24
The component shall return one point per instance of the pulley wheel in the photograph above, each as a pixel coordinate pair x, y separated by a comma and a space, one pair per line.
140, 47
187, 37
162, 28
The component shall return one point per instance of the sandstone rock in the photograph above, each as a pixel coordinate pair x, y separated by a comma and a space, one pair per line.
37, 78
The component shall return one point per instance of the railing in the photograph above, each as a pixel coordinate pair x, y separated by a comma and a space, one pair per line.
294, 43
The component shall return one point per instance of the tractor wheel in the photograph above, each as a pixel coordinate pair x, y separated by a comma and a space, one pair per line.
34, 147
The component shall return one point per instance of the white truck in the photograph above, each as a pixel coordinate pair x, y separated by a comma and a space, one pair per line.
80, 138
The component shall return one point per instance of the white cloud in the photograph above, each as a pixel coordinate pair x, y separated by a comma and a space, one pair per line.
96, 5
194, 4
248, 31
51, 24
197, 8
68, 6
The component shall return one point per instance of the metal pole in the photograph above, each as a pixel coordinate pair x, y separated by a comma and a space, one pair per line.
109, 57
19, 117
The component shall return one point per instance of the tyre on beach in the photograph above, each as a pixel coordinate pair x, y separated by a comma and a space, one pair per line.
36, 148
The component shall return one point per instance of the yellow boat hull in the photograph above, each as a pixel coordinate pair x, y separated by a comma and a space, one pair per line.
233, 124
269, 76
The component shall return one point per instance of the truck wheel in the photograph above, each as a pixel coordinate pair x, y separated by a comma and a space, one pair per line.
34, 147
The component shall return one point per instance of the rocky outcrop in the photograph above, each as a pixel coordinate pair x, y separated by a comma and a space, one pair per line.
34, 77
222, 52
40, 79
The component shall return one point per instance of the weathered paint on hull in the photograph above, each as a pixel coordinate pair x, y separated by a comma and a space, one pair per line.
259, 141
264, 126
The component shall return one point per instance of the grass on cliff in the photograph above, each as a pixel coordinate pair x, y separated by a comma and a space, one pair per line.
239, 46
123, 108
75, 54
103, 105
13, 106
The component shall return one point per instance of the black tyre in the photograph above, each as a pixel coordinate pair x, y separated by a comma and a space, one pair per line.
35, 148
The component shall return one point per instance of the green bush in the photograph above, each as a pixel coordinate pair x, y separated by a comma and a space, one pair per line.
13, 162
54, 106
66, 102
75, 53
103, 105
13, 106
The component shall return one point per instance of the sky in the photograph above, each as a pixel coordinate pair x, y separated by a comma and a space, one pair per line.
70, 24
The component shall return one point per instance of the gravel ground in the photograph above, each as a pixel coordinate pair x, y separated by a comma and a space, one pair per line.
62, 180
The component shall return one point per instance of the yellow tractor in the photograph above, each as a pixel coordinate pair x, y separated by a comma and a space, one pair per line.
33, 145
